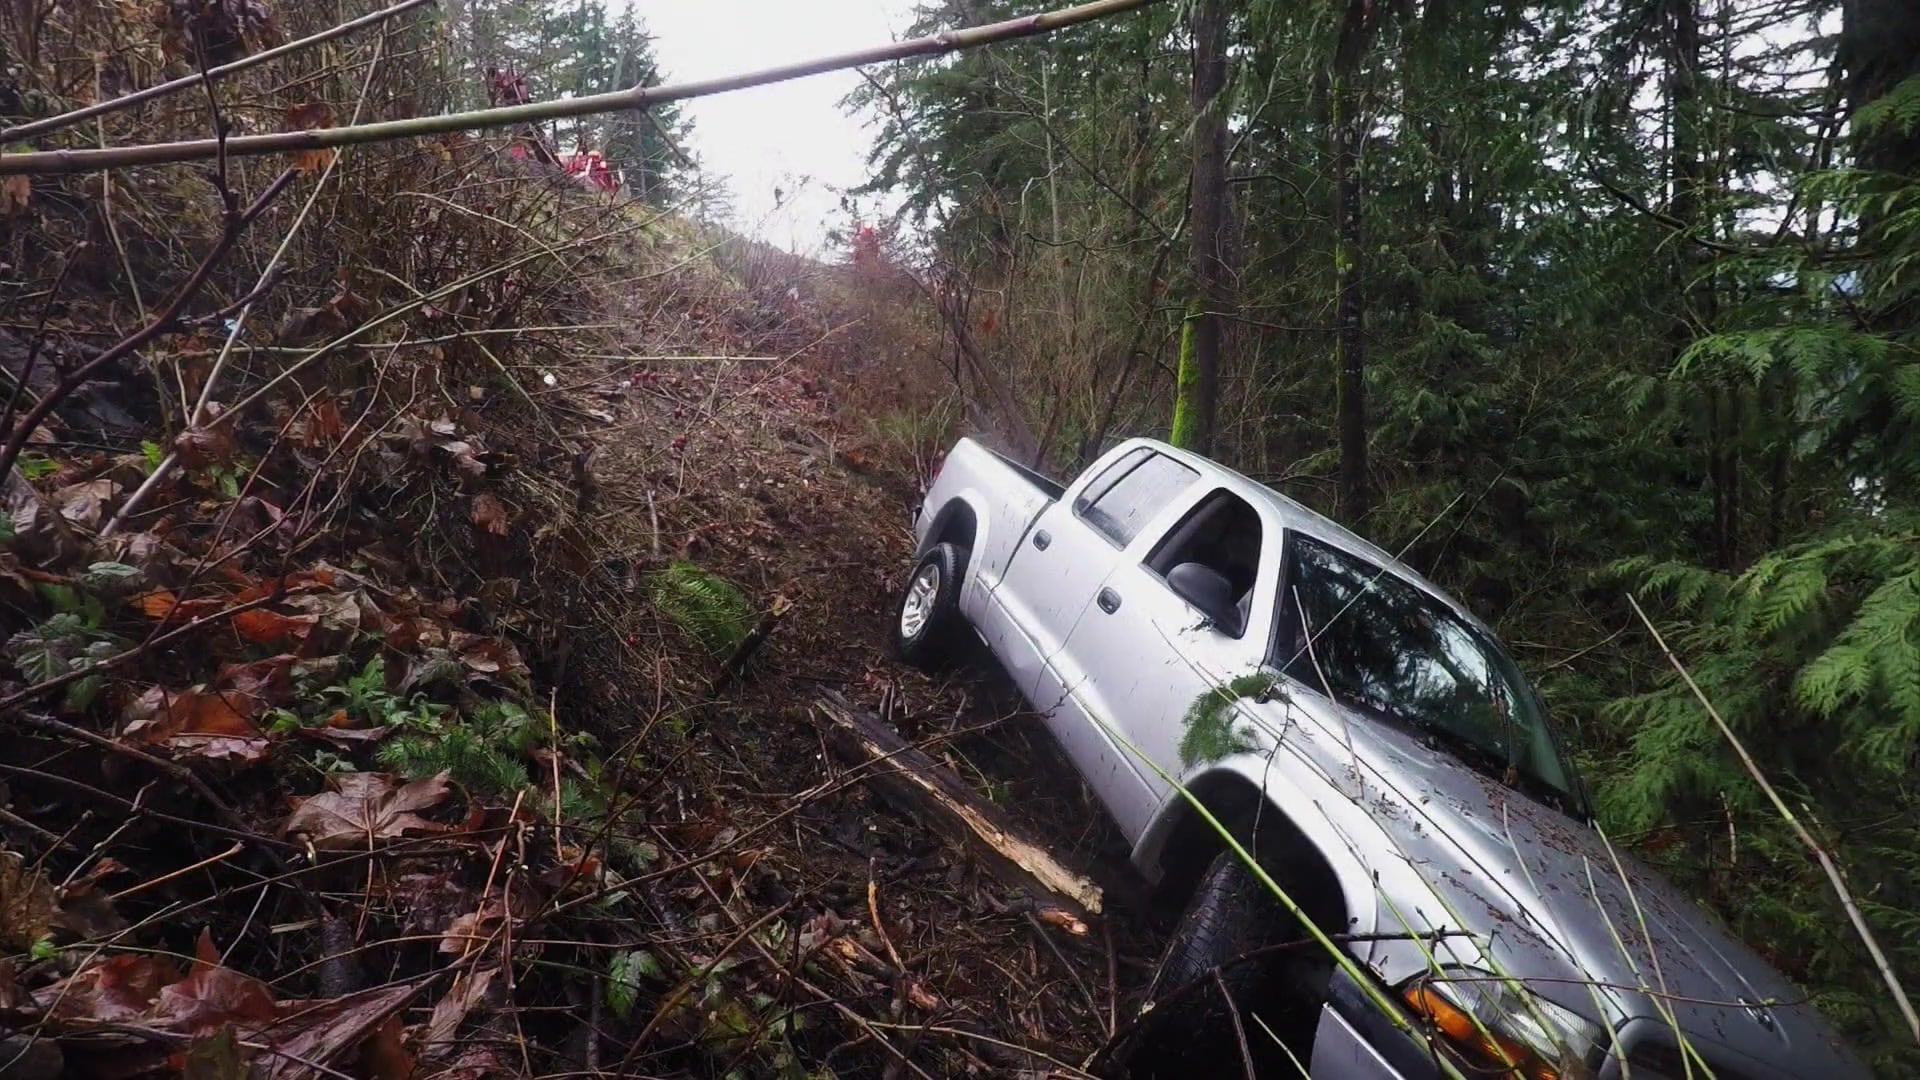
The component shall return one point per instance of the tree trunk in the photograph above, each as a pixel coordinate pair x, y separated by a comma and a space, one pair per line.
1879, 50
1348, 261
1196, 404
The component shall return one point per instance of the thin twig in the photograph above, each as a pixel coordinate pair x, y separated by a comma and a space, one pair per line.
1239, 1029
68, 119
636, 98
166, 321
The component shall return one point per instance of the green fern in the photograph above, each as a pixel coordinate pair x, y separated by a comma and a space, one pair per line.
1210, 732
471, 761
705, 606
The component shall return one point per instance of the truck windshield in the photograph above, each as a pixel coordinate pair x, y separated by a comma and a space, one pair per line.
1382, 645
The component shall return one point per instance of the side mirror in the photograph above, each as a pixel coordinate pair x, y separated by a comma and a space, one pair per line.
1207, 589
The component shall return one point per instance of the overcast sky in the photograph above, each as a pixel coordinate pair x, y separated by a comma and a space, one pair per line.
793, 137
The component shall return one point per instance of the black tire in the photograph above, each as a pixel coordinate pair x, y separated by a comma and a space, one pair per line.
1187, 1029
932, 642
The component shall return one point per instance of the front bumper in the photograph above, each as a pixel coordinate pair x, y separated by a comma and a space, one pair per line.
1354, 1040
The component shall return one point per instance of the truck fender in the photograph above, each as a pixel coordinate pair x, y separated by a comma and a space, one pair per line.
1323, 874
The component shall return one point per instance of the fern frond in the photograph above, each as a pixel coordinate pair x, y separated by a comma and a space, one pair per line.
705, 606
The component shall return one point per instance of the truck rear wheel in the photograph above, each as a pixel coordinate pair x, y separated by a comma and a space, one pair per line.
928, 629
1189, 1029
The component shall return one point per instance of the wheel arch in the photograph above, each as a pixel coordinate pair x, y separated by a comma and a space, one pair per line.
957, 522
1179, 843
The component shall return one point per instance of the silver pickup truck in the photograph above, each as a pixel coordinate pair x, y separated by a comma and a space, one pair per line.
1194, 638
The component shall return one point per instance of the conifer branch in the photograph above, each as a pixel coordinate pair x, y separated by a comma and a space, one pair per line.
1827, 864
638, 97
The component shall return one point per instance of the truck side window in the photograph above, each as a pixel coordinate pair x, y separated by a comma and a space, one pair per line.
1129, 492
1222, 533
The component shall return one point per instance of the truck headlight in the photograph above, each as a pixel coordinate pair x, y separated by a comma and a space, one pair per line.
1496, 1023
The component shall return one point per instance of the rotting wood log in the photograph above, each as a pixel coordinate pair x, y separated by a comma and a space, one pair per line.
916, 783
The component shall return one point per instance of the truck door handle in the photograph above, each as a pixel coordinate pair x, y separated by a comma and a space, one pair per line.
1041, 539
1108, 600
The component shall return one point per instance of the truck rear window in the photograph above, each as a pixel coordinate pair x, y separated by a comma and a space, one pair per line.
1127, 493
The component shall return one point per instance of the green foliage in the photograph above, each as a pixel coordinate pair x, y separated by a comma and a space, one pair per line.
35, 466
1211, 729
625, 972
481, 767
705, 606
484, 752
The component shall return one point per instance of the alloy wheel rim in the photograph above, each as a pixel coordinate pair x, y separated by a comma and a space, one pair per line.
918, 607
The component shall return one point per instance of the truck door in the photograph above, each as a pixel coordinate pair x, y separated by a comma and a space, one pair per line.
1143, 656
1050, 587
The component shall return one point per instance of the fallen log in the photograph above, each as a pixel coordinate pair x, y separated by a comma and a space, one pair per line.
914, 782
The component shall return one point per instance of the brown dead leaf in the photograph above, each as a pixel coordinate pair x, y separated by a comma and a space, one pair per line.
490, 514
212, 996
469, 989
120, 989
86, 505
384, 1056
321, 1032
312, 116
367, 806
488, 656
200, 447
320, 425
163, 604
268, 681
15, 193
27, 904
264, 627
197, 722
474, 929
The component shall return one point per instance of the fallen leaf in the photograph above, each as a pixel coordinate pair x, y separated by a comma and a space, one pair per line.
320, 425
474, 929
264, 627
212, 996
383, 1056
267, 681
488, 656
120, 989
15, 193
86, 505
163, 604
490, 514
215, 1057
199, 447
469, 989
213, 724
320, 1032
312, 116
27, 904
367, 806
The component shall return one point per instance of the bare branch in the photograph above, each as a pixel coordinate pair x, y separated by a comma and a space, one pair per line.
68, 119
639, 97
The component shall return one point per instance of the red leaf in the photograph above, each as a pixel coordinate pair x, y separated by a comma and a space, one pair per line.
264, 627
117, 990
211, 996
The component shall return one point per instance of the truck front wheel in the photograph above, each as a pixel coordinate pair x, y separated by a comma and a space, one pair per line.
1188, 1028
928, 628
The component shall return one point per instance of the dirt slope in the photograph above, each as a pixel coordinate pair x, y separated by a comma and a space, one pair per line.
776, 473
